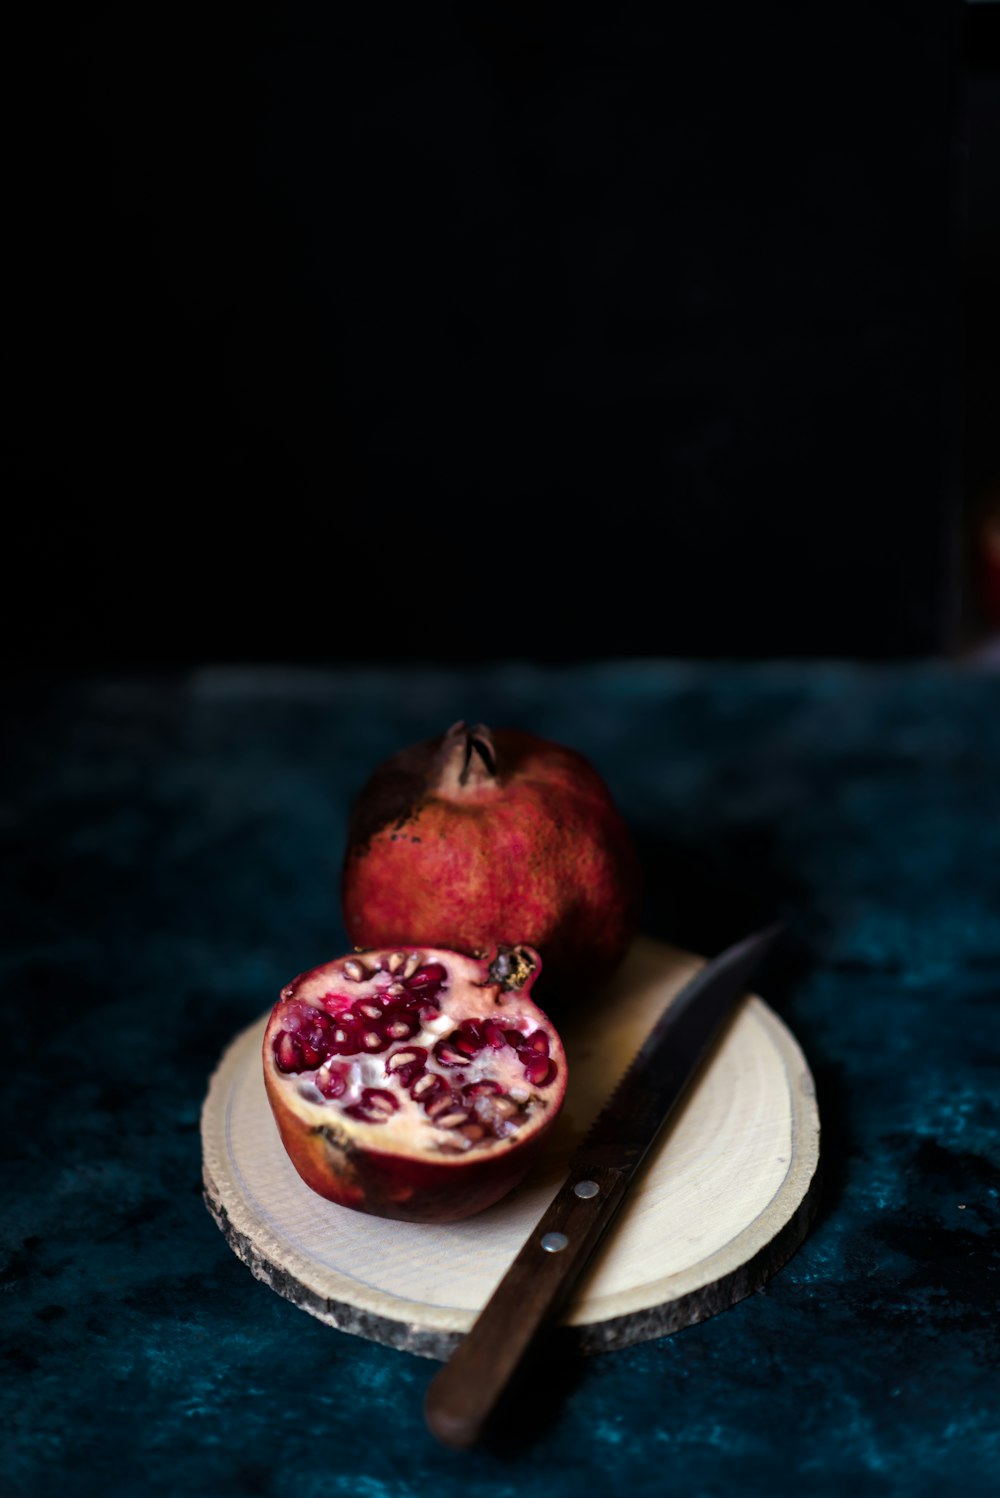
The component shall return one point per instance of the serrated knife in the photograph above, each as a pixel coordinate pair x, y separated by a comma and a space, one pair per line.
462, 1396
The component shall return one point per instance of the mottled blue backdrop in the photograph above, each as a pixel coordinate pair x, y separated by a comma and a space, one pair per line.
173, 856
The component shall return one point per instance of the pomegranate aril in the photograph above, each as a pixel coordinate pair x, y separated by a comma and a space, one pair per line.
401, 1027
319, 1038
448, 1055
407, 1065
451, 1119
469, 1038
485, 1088
366, 1010
493, 1035
442, 1102
426, 1087
304, 1021
466, 1045
377, 1099
401, 1059
540, 1071
433, 972
427, 980
332, 1082
288, 1052
474, 1132
374, 1106
344, 1042
538, 1042
514, 1038
355, 1110
310, 1055
505, 1106
372, 1041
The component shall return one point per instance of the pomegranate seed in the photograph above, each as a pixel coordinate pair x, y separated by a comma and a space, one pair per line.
368, 1010
345, 1042
540, 1071
538, 1042
493, 1035
474, 1132
287, 1052
427, 980
468, 1038
332, 1082
442, 1103
407, 1065
373, 1042
357, 1111
451, 1119
448, 1056
400, 1059
427, 1085
378, 1099
310, 1056
375, 1106
481, 1089
513, 1037
320, 1021
355, 970
466, 1045
505, 1107
401, 1027
316, 1038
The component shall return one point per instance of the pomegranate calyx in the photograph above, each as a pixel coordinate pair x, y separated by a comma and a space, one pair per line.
468, 760
512, 967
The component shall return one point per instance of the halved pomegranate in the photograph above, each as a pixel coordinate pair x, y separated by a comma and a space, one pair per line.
413, 1082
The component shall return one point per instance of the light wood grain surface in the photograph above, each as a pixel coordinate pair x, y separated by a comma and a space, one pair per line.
722, 1201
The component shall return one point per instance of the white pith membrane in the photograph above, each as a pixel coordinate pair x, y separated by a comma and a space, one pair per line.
457, 1086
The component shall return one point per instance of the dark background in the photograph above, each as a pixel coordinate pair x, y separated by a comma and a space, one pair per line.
496, 331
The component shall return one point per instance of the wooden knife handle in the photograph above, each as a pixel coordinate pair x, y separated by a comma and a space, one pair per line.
462, 1396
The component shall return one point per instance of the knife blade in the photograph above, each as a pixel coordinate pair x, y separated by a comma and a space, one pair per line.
462, 1396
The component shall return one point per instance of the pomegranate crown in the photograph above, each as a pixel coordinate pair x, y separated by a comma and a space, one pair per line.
468, 754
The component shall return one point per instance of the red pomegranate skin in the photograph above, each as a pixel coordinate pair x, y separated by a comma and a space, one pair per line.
362, 1167
399, 1186
482, 836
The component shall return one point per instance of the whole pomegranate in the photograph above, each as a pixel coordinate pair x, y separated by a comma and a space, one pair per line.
414, 1083
481, 836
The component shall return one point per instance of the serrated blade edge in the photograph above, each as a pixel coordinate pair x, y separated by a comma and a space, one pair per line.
670, 1056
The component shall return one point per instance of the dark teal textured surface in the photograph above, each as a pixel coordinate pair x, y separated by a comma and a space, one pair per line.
173, 856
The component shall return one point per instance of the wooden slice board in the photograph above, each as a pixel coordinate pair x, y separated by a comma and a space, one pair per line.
723, 1199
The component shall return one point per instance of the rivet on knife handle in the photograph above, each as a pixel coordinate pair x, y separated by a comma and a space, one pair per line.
462, 1396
